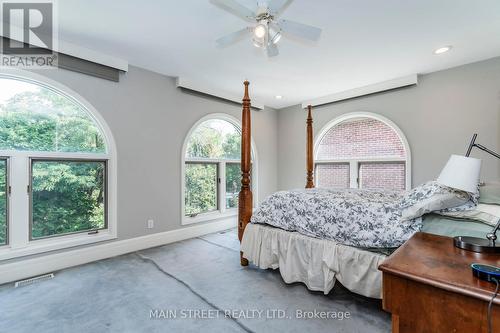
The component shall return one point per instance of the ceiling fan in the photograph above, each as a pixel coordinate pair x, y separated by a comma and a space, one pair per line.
267, 28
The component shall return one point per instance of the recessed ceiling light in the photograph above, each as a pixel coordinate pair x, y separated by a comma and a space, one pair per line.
278, 97
443, 49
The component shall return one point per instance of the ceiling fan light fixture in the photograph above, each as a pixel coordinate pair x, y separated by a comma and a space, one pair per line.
266, 26
276, 38
274, 35
260, 31
257, 43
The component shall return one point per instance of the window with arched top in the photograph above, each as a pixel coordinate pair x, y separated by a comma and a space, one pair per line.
212, 169
362, 150
54, 168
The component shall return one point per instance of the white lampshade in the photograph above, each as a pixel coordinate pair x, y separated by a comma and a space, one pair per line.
461, 173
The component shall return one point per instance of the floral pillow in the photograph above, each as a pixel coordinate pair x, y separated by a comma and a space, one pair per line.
432, 196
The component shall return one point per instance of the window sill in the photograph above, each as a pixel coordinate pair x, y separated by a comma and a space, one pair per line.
53, 244
209, 217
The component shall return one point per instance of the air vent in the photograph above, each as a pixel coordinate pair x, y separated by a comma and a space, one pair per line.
33, 280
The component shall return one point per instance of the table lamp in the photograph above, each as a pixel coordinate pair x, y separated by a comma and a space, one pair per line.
462, 173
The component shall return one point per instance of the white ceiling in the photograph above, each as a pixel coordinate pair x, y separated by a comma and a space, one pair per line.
363, 42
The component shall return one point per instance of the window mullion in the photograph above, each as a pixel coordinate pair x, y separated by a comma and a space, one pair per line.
354, 174
316, 178
222, 186
19, 201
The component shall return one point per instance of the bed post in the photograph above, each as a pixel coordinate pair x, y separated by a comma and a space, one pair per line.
309, 151
245, 200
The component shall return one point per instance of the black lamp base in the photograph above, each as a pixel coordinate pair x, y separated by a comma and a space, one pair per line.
475, 244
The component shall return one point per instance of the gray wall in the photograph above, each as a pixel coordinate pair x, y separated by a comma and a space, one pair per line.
149, 118
438, 118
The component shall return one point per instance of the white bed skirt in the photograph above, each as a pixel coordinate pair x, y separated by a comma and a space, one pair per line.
316, 262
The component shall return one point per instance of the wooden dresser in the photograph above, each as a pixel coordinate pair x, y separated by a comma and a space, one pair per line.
428, 287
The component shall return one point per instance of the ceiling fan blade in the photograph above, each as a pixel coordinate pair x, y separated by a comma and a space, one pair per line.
277, 7
272, 50
235, 8
233, 37
301, 30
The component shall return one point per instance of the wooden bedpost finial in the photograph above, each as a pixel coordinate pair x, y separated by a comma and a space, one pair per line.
245, 200
246, 96
309, 149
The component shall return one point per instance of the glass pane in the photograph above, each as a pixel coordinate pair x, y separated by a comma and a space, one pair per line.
67, 196
388, 176
215, 138
36, 118
334, 175
201, 188
233, 184
360, 138
3, 201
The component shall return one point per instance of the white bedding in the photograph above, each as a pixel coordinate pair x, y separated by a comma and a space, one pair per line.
318, 263
359, 217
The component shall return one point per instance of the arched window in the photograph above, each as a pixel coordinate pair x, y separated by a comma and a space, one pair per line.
54, 150
362, 150
211, 169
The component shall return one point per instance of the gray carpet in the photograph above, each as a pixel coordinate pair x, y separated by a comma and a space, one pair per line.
199, 281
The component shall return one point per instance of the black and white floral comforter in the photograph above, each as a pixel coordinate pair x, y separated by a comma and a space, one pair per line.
361, 218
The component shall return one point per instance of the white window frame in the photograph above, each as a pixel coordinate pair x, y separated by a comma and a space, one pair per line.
19, 243
221, 212
354, 164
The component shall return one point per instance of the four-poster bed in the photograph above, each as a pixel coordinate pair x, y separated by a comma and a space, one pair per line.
245, 198
320, 236
309, 151
365, 281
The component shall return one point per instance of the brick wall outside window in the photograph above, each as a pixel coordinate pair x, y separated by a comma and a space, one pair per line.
362, 138
333, 175
389, 176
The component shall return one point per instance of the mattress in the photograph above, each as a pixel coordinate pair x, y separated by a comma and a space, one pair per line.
319, 263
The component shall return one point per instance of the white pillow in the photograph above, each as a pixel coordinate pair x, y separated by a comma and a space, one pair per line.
436, 202
489, 214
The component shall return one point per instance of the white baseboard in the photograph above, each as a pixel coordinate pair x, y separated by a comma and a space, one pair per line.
56, 261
